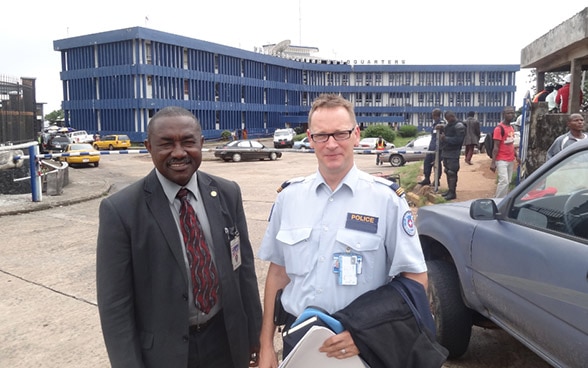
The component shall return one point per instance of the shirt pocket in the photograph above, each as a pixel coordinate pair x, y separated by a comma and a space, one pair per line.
370, 247
298, 254
359, 241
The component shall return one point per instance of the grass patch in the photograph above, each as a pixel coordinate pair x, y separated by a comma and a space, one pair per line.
409, 174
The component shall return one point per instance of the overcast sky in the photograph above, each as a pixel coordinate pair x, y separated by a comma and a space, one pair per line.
417, 31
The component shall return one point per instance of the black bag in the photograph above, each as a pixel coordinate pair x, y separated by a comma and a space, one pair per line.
489, 141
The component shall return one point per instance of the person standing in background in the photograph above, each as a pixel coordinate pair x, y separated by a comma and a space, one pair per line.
429, 161
451, 138
504, 153
575, 133
380, 146
550, 99
472, 137
563, 95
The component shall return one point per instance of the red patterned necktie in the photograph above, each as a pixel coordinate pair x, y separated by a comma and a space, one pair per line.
202, 270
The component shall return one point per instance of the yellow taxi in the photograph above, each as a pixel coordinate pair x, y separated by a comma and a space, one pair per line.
88, 155
113, 141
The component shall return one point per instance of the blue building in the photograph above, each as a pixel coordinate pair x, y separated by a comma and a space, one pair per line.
114, 81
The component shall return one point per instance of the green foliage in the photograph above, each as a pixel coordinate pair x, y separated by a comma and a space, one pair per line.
408, 130
54, 116
226, 135
379, 130
409, 175
299, 137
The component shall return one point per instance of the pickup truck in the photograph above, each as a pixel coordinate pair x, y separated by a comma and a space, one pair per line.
80, 136
519, 263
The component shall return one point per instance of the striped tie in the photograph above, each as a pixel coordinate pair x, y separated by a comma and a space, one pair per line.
202, 269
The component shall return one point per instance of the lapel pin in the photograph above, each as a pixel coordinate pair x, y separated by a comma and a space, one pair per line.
213, 193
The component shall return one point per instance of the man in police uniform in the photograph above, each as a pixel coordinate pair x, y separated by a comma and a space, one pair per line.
356, 232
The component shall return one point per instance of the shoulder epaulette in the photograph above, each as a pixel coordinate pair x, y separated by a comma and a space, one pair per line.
288, 182
397, 189
394, 185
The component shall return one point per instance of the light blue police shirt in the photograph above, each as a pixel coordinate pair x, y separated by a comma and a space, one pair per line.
309, 223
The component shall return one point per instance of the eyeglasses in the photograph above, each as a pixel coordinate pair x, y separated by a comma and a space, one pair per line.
338, 136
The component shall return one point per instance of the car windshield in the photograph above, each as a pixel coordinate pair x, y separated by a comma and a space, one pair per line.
84, 147
558, 201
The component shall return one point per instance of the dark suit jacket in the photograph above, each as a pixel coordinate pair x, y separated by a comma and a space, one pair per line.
142, 280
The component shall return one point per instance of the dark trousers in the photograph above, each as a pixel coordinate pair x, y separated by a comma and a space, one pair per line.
428, 166
469, 152
209, 347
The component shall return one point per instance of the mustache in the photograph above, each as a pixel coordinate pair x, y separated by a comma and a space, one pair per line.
186, 160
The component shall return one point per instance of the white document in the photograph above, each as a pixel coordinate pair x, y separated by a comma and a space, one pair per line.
306, 353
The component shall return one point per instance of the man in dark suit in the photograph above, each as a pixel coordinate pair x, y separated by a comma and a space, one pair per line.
145, 279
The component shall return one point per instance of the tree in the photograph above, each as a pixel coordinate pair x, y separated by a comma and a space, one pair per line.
54, 116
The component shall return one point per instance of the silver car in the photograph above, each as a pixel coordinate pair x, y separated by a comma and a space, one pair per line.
415, 150
519, 263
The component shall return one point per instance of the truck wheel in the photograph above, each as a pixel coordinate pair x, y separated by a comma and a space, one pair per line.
453, 320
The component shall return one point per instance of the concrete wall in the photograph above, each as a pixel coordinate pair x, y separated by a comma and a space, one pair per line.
544, 128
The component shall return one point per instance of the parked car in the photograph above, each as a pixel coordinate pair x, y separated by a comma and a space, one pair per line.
370, 143
518, 262
302, 144
246, 149
93, 157
284, 138
57, 143
113, 141
80, 136
415, 150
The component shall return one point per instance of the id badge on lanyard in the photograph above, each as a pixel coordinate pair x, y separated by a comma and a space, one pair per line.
348, 266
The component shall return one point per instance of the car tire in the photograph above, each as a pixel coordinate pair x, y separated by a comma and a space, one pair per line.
273, 156
236, 157
96, 147
396, 160
110, 147
96, 164
453, 320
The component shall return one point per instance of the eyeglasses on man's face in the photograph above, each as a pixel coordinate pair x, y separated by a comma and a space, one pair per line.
338, 136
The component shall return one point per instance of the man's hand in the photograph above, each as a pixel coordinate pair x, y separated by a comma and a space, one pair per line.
340, 346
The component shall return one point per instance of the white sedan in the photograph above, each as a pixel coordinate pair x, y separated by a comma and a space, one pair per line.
370, 143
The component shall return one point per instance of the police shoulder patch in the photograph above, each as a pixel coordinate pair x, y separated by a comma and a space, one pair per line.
408, 223
288, 182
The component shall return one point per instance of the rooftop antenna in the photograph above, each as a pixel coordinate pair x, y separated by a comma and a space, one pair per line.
300, 22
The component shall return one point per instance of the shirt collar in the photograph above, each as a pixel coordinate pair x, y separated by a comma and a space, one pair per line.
350, 180
171, 189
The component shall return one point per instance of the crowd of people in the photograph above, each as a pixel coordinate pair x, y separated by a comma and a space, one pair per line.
176, 281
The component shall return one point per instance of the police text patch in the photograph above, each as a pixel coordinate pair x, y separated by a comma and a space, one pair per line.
368, 224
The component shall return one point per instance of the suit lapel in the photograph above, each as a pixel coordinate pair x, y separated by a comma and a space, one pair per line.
159, 207
211, 195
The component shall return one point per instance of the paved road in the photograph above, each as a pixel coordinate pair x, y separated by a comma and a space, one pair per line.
48, 313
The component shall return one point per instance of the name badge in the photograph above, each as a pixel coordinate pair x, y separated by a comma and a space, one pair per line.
236, 252
347, 266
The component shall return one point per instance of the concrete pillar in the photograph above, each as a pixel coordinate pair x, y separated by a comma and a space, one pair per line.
575, 86
540, 81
